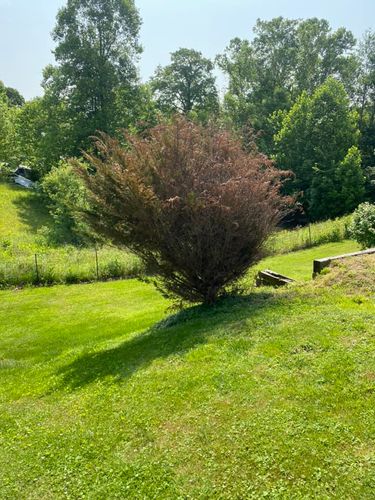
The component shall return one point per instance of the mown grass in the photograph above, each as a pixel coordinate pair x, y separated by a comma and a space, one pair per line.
103, 394
298, 265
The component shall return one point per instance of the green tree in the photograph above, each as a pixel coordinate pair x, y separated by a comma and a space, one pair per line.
44, 133
351, 180
4, 128
97, 45
337, 190
365, 101
365, 89
314, 142
13, 96
141, 114
65, 196
8, 142
285, 58
186, 85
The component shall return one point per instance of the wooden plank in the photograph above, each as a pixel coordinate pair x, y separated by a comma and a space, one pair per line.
270, 278
320, 264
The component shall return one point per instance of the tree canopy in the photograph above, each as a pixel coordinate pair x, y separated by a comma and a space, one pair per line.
285, 58
365, 101
96, 51
317, 141
187, 84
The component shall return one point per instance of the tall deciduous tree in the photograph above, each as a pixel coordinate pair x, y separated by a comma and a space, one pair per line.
365, 90
97, 45
187, 84
365, 94
337, 190
316, 142
44, 133
285, 58
8, 117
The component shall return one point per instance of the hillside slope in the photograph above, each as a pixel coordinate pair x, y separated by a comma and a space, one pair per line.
22, 214
271, 395
24, 227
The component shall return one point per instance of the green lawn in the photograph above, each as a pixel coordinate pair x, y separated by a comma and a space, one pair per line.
299, 265
104, 394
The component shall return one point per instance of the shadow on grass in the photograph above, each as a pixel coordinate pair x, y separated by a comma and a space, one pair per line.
31, 210
176, 334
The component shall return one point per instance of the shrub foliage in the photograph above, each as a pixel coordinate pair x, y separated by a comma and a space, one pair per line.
189, 201
65, 195
363, 225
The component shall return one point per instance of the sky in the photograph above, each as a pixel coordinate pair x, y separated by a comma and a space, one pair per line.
205, 25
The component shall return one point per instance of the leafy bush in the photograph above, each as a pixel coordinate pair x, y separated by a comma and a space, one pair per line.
65, 194
189, 201
363, 225
5, 171
114, 269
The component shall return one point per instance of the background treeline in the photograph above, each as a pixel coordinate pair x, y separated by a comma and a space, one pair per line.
298, 91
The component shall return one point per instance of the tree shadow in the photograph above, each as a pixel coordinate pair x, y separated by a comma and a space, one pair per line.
176, 334
31, 210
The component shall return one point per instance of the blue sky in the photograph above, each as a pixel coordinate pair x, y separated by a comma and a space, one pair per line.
206, 25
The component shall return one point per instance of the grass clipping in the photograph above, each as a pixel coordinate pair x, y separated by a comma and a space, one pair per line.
357, 274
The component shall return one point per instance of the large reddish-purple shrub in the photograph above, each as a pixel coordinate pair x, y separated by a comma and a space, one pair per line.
189, 201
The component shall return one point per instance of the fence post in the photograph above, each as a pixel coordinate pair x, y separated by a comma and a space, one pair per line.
310, 234
97, 263
36, 268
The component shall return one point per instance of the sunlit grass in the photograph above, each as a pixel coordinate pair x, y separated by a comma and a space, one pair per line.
103, 394
299, 265
319, 233
26, 258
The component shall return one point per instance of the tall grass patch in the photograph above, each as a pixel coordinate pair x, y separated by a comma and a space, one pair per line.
319, 233
69, 265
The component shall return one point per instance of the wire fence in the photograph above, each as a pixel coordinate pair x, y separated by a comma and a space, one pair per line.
74, 265
70, 266
309, 236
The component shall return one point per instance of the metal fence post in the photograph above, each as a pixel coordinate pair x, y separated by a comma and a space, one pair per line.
97, 263
36, 268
